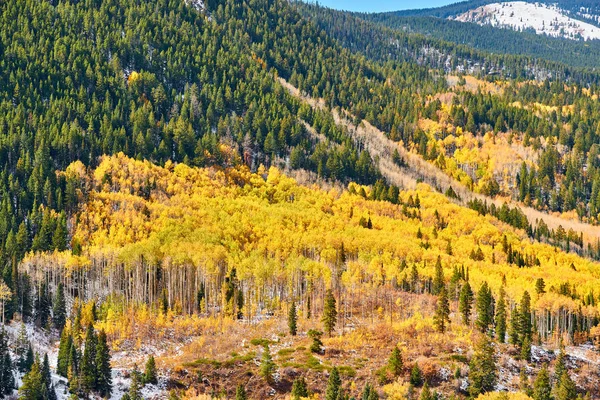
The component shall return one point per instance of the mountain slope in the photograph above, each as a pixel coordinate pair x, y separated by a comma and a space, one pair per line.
542, 19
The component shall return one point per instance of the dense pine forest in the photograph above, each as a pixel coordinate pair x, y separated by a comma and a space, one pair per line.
188, 208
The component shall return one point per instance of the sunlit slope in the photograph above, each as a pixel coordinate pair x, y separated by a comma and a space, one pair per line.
272, 230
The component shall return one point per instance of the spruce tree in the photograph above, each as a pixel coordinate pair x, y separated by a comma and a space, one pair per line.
500, 317
525, 326
483, 371
426, 393
103, 370
369, 393
299, 388
438, 279
135, 387
526, 350
395, 362
515, 325
292, 319
442, 311
334, 384
560, 368
565, 388
87, 370
329, 312
42, 306
542, 390
8, 378
59, 309
64, 352
416, 376
317, 345
33, 384
465, 303
484, 308
150, 371
267, 366
240, 393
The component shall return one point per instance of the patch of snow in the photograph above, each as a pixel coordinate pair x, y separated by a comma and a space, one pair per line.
519, 15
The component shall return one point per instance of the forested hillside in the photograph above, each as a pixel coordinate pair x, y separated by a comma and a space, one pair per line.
147, 207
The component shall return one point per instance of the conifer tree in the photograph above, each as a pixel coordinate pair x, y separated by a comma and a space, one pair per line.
560, 368
317, 345
542, 390
299, 388
565, 388
484, 308
267, 366
416, 376
29, 359
334, 384
33, 384
426, 393
526, 350
73, 370
59, 309
7, 380
329, 312
135, 387
292, 319
369, 393
442, 311
103, 370
64, 352
395, 363
438, 279
150, 371
500, 317
43, 305
515, 325
525, 326
465, 303
88, 369
240, 393
483, 371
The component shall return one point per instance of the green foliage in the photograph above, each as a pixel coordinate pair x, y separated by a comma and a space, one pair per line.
465, 303
329, 318
542, 389
267, 366
103, 371
299, 388
483, 371
240, 393
293, 319
59, 308
150, 371
416, 376
441, 316
334, 385
395, 362
484, 308
500, 317
317, 345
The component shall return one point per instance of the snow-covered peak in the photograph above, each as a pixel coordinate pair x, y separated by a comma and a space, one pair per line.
543, 19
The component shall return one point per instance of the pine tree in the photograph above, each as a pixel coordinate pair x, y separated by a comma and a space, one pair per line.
299, 388
515, 322
33, 384
369, 393
292, 319
135, 387
59, 309
150, 371
442, 311
438, 279
526, 350
45, 371
267, 366
334, 384
73, 369
395, 363
560, 368
541, 387
88, 362
29, 359
416, 376
426, 393
483, 372
565, 388
465, 303
164, 303
240, 393
484, 308
21, 348
42, 306
525, 327
8, 378
500, 318
64, 352
103, 370
317, 345
329, 312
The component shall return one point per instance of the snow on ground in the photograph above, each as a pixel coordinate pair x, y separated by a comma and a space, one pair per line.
44, 343
519, 15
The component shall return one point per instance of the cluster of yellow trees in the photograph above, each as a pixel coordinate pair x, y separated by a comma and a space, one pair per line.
207, 240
